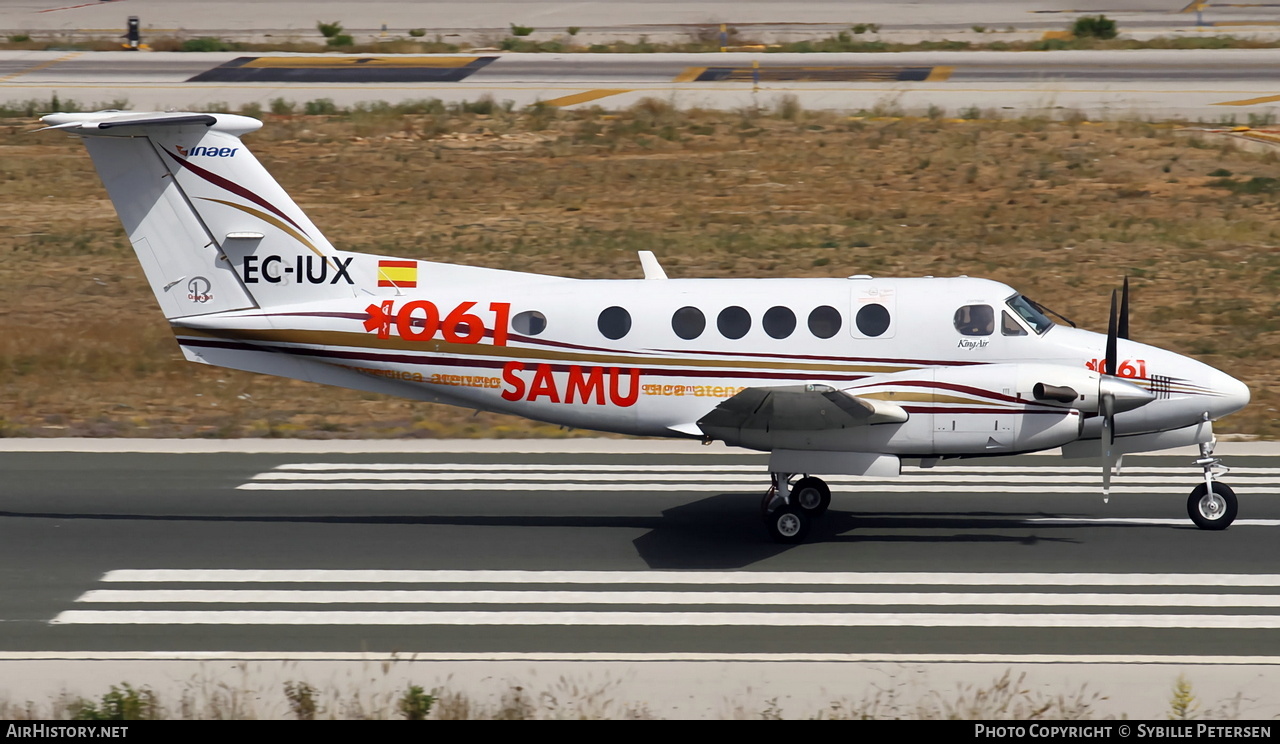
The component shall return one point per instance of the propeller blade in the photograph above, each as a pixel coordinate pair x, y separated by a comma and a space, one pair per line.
1122, 330
1117, 328
1107, 402
1111, 340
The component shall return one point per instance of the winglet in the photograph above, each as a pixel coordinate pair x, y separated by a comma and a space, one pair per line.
652, 269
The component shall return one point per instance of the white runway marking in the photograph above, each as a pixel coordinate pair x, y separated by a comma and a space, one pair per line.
629, 478
789, 578
591, 598
668, 619
688, 485
357, 596
1142, 520
455, 475
681, 468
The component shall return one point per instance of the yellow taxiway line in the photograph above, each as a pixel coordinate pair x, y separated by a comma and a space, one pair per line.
1249, 101
586, 95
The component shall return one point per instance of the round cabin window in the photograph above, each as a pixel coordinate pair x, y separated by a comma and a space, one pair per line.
779, 322
688, 323
734, 322
614, 322
824, 321
529, 323
872, 320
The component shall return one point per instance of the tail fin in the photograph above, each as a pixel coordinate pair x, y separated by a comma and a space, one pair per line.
213, 230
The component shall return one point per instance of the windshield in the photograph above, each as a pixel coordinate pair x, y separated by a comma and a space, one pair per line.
1028, 311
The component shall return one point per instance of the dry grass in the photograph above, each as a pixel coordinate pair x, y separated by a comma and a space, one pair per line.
385, 691
1060, 210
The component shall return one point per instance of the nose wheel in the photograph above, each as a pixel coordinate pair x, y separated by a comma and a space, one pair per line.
1212, 505
790, 509
1212, 510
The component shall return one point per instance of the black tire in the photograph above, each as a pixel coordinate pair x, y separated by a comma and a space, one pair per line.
812, 495
788, 525
1212, 514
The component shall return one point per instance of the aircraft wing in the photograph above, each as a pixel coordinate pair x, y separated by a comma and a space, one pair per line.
799, 408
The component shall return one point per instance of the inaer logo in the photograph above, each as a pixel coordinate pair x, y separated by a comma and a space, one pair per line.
208, 152
308, 269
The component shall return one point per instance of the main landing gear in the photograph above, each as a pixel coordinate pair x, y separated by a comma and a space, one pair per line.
790, 508
1212, 505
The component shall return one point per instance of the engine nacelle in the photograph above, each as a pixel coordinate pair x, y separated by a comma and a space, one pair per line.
989, 408
1049, 384
1054, 384
994, 408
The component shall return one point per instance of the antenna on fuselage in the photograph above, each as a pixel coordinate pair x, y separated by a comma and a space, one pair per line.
652, 269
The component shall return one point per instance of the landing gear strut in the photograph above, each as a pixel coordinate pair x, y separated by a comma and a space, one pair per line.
789, 510
1212, 505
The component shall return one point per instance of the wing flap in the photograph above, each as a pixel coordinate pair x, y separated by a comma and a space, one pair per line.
796, 409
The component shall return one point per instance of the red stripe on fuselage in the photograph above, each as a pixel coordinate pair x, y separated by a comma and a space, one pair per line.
949, 386
234, 188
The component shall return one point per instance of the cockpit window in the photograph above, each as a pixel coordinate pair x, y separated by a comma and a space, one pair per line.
1009, 326
975, 320
1026, 309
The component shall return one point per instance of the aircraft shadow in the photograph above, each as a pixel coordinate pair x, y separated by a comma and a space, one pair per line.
726, 531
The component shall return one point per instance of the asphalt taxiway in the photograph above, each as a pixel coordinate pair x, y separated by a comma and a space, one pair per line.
1203, 85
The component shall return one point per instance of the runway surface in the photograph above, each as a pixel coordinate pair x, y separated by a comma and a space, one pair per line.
645, 561
557, 552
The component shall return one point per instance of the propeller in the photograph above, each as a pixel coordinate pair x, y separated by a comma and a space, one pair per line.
1114, 393
1107, 399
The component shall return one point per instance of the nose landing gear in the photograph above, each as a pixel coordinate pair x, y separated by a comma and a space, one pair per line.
1212, 505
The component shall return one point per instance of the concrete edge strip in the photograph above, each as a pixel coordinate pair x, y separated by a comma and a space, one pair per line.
660, 657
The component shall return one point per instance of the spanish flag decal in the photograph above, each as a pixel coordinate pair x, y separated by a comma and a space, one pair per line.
402, 274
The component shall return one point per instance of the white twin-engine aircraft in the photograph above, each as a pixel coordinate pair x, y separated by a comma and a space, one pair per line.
830, 376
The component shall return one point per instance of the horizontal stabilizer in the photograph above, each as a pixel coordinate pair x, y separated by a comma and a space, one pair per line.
96, 122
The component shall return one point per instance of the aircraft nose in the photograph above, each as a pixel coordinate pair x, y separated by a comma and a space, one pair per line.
1230, 395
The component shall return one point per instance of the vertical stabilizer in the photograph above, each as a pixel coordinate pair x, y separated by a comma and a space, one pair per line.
213, 230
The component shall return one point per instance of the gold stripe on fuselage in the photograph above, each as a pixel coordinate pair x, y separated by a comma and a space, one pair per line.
519, 353
900, 397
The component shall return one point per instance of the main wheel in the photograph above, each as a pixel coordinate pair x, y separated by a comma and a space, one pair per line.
812, 495
1214, 511
788, 524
